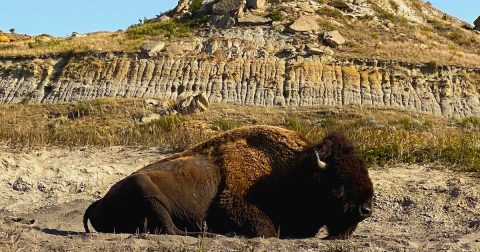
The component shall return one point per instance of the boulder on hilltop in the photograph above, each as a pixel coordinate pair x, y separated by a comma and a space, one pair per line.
305, 23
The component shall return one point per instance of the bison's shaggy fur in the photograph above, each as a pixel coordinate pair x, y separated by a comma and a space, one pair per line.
254, 181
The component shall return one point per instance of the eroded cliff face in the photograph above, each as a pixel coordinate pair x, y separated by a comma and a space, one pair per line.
270, 81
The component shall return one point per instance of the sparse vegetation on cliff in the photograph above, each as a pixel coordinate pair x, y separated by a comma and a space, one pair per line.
4, 38
383, 136
95, 42
156, 28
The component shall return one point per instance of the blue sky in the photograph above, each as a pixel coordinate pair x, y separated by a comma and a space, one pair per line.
62, 17
467, 10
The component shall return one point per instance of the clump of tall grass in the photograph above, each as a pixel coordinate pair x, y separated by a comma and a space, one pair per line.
225, 124
382, 137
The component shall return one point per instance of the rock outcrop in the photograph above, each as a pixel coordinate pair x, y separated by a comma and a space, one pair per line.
477, 24
256, 4
333, 38
184, 105
152, 49
312, 81
226, 6
253, 20
305, 23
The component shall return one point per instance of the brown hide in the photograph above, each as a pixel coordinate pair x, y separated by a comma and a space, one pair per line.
254, 181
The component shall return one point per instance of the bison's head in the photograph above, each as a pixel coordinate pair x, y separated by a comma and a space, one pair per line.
344, 183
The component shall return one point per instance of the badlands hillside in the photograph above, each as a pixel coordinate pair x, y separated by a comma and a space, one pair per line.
397, 53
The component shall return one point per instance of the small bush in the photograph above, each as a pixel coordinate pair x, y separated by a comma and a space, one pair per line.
162, 125
408, 123
351, 44
395, 5
417, 5
195, 6
471, 122
439, 25
276, 15
381, 155
297, 124
227, 124
383, 14
4, 38
433, 65
330, 12
79, 110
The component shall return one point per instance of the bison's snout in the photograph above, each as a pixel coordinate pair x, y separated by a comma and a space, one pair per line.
365, 211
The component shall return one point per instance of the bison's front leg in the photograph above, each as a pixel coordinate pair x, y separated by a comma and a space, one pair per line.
156, 207
158, 218
251, 220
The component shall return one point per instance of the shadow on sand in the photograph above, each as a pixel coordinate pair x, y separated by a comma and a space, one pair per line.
57, 232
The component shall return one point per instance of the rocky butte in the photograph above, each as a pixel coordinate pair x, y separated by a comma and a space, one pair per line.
402, 54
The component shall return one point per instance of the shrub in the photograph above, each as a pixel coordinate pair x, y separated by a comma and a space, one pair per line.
297, 124
225, 124
470, 122
330, 12
380, 155
195, 6
433, 65
4, 38
383, 14
276, 15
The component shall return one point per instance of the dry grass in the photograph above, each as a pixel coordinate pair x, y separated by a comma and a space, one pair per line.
409, 42
442, 41
102, 122
128, 41
96, 42
10, 240
382, 135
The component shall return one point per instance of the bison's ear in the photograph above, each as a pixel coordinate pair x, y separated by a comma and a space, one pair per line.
321, 165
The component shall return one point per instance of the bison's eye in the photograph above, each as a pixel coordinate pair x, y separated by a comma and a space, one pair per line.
339, 192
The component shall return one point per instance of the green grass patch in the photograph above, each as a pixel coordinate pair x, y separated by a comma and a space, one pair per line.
168, 29
298, 124
276, 15
225, 124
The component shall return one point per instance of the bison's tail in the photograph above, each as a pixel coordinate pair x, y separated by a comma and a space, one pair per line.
87, 215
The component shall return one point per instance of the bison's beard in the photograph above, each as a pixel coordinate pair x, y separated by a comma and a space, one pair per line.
340, 231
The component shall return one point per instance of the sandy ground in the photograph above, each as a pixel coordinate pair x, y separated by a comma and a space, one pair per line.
417, 208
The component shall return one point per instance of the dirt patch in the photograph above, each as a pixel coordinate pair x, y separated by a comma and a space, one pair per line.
417, 208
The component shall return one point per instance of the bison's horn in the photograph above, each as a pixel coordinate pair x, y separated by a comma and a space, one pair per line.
321, 165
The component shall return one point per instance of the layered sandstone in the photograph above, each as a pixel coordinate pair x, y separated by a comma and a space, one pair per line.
270, 81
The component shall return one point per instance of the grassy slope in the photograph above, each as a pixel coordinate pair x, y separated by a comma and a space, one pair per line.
382, 135
439, 38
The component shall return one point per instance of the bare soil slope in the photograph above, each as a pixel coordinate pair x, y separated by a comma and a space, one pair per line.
417, 208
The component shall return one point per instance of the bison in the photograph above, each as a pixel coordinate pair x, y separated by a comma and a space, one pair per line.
253, 181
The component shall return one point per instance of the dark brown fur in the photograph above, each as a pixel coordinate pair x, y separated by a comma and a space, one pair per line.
254, 181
